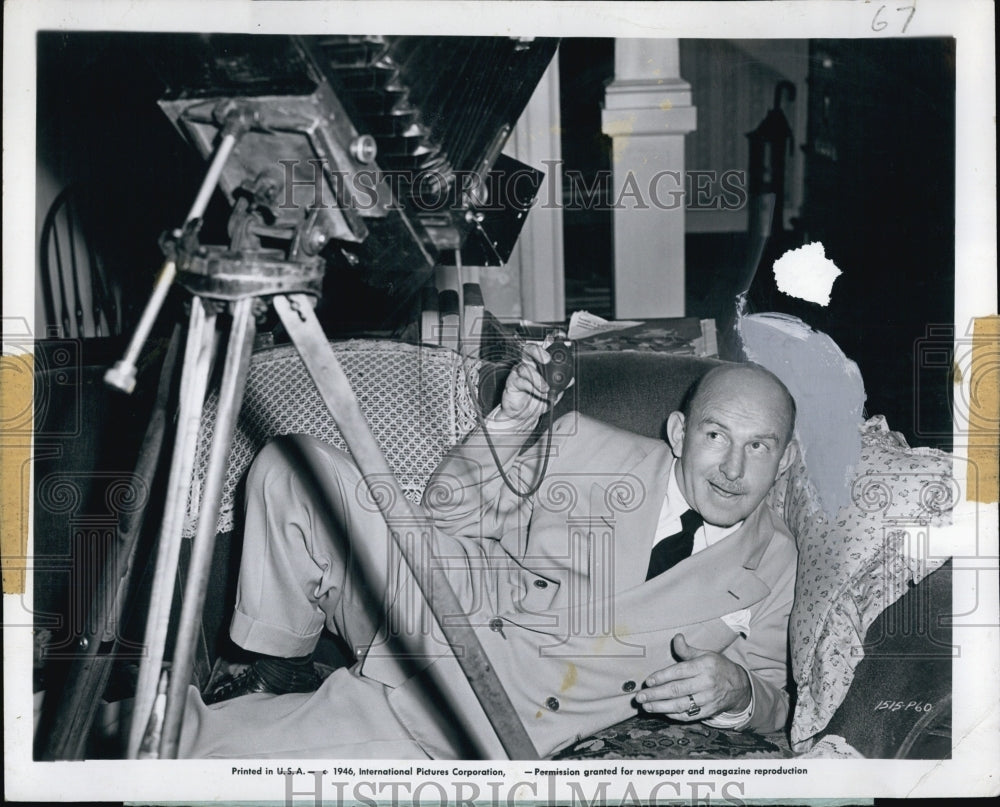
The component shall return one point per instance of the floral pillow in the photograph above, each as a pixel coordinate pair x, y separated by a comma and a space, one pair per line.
853, 568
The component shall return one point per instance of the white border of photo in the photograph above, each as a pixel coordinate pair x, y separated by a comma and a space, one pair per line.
976, 716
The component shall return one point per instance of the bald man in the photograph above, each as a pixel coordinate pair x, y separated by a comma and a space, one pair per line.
639, 576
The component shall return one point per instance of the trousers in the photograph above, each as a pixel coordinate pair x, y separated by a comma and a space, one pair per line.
317, 554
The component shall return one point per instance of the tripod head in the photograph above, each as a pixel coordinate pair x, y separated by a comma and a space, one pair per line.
275, 238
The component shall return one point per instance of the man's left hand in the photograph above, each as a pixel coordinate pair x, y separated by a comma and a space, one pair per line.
713, 682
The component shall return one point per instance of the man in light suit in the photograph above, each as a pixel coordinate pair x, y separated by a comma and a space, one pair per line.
637, 576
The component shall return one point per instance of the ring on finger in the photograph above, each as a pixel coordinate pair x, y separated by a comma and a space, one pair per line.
694, 709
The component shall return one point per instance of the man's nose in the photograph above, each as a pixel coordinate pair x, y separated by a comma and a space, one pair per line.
732, 464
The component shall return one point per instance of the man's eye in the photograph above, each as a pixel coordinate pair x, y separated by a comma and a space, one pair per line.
759, 446
714, 435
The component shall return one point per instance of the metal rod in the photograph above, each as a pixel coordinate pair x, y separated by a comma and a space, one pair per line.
194, 381
233, 383
122, 375
300, 321
212, 177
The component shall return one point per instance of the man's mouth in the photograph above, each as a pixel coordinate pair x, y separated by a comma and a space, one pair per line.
725, 491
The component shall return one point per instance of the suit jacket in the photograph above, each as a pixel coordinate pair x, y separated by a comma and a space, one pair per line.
562, 607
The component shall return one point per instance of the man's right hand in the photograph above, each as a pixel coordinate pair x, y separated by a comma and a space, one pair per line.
525, 396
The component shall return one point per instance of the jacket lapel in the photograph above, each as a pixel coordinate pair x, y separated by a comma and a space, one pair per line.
632, 525
711, 583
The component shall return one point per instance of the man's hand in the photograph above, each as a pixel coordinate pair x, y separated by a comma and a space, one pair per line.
714, 682
525, 394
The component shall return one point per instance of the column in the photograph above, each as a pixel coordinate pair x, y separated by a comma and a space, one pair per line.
647, 112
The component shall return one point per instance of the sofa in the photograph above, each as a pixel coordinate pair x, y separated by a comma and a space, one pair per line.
870, 650
856, 652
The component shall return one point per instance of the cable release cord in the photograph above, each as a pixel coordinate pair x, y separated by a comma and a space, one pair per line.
533, 488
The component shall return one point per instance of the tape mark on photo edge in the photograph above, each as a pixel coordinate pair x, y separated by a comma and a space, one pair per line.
15, 396
984, 414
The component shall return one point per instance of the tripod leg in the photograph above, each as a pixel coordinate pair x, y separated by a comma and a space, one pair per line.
91, 670
194, 381
334, 388
234, 377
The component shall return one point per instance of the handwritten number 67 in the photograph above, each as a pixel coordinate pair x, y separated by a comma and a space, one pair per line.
879, 24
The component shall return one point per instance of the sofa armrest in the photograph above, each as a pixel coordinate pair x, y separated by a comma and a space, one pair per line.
415, 398
898, 705
853, 567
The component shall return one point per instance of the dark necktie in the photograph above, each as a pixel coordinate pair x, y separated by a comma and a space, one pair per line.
674, 548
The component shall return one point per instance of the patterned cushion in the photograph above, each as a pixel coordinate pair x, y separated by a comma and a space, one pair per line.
416, 400
655, 737
851, 569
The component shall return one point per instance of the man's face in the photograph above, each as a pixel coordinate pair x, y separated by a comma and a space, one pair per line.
732, 445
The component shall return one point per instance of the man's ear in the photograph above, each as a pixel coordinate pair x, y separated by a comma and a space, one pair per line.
789, 455
675, 432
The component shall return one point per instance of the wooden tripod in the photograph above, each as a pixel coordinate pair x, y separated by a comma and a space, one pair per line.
243, 282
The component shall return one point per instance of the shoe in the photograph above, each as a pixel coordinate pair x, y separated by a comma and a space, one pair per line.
250, 680
233, 686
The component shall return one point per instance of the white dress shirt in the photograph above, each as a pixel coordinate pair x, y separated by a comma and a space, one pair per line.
674, 506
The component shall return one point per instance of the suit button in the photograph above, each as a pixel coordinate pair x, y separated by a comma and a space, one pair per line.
541, 584
495, 624
552, 703
628, 686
